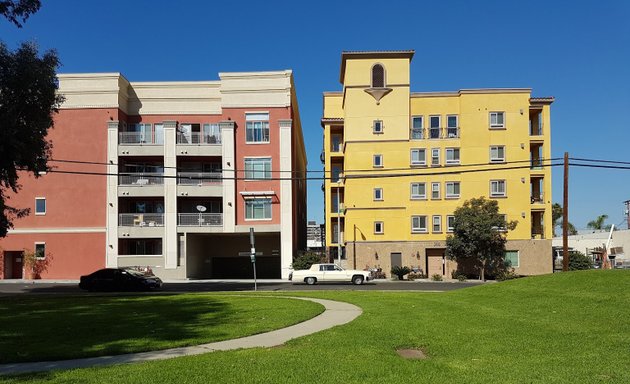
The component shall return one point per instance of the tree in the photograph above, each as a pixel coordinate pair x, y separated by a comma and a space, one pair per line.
556, 214
28, 100
479, 234
579, 261
306, 259
598, 223
16, 10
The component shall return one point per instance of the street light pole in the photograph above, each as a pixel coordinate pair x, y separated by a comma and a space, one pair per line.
338, 227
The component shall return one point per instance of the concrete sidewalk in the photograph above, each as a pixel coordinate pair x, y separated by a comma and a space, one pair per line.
336, 313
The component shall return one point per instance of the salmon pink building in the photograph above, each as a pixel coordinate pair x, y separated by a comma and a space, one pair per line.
167, 175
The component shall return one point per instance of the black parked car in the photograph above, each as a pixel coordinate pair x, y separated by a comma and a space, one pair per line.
119, 279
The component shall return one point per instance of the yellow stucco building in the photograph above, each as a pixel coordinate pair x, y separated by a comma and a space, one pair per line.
400, 162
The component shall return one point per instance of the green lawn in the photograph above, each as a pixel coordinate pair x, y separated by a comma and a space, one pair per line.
36, 328
564, 328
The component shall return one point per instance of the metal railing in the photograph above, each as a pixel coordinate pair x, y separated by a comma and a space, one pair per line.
198, 138
416, 133
436, 133
537, 163
200, 219
141, 179
142, 138
141, 219
538, 198
199, 178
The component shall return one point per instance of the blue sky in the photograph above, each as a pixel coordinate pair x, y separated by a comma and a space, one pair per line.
578, 52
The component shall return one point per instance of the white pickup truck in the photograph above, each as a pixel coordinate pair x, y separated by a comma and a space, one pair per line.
329, 272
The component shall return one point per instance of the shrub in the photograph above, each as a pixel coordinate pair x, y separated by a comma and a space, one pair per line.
436, 277
506, 274
416, 275
579, 261
400, 271
461, 277
306, 259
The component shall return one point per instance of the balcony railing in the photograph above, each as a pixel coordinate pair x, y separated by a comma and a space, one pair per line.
199, 178
200, 219
198, 138
538, 198
141, 220
416, 133
436, 133
537, 163
140, 179
142, 138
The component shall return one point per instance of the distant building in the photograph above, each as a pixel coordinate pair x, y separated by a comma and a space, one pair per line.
315, 239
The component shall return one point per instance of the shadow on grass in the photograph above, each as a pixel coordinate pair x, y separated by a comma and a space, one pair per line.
54, 328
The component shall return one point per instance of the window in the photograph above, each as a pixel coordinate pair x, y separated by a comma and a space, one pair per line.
437, 223
497, 188
452, 189
377, 127
418, 156
378, 193
335, 173
450, 220
377, 161
40, 250
435, 190
379, 227
497, 120
418, 224
417, 128
335, 143
435, 157
211, 134
257, 168
40, 205
378, 76
511, 259
258, 209
452, 128
497, 154
418, 191
452, 155
257, 127
434, 130
159, 133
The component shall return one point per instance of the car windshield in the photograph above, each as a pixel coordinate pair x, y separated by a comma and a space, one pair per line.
132, 272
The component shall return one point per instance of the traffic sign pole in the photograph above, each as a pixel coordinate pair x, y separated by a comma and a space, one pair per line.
253, 255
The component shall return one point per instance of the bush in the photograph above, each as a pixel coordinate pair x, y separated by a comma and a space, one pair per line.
461, 277
400, 271
506, 274
306, 259
436, 277
579, 261
416, 275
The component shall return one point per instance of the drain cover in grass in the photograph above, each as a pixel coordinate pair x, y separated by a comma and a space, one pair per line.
415, 354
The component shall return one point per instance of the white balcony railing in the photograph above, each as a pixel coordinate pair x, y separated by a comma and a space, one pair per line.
198, 138
416, 133
140, 179
199, 178
141, 220
141, 138
200, 219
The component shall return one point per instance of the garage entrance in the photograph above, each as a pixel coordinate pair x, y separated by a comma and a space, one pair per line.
220, 256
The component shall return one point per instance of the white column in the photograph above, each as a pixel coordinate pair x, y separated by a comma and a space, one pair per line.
286, 198
111, 238
229, 184
170, 240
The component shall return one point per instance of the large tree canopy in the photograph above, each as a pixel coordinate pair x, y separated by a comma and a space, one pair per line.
28, 100
556, 215
479, 234
17, 11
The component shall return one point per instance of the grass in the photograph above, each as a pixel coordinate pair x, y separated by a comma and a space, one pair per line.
564, 328
37, 328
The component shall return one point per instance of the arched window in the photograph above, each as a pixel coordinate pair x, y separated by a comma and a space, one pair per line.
378, 76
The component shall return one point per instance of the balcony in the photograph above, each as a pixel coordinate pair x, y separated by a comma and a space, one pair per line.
141, 220
441, 133
199, 178
200, 219
538, 199
197, 138
416, 134
141, 179
139, 138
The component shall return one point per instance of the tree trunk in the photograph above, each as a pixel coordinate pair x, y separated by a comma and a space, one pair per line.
483, 270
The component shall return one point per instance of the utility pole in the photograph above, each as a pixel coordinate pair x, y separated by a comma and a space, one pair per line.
627, 213
253, 255
565, 216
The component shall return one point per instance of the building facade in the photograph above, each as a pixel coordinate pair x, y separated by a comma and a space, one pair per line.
168, 175
400, 163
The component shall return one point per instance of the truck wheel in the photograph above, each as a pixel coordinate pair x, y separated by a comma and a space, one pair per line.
310, 280
357, 280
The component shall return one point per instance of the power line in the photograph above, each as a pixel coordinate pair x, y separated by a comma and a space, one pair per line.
599, 161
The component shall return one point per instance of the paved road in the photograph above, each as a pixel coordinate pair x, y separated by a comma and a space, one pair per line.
25, 287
